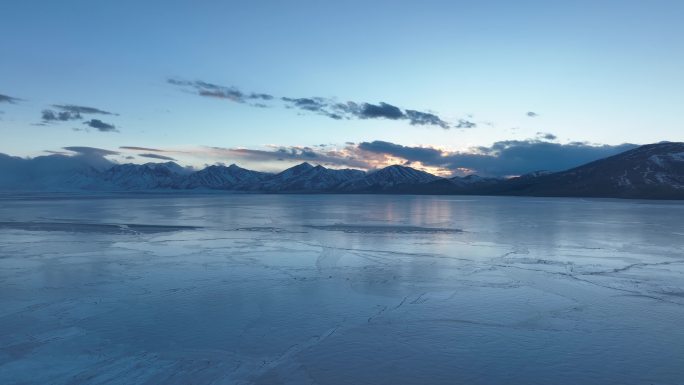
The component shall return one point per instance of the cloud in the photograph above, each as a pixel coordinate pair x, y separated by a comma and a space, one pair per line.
425, 118
426, 155
91, 156
81, 109
220, 92
63, 116
71, 112
532, 114
335, 158
503, 158
322, 106
156, 156
135, 148
462, 123
83, 150
100, 125
546, 135
308, 104
156, 153
282, 153
355, 110
8, 99
514, 157
382, 110
328, 107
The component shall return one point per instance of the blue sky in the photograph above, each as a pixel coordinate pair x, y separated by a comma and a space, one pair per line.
600, 72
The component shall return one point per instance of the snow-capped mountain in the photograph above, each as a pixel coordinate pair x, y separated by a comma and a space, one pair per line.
223, 178
273, 183
467, 185
146, 176
650, 171
387, 178
535, 174
307, 178
473, 180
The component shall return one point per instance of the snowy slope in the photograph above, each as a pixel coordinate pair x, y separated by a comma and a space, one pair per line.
650, 171
223, 178
146, 176
388, 177
307, 178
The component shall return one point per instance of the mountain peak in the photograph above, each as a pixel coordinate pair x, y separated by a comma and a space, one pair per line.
388, 177
397, 167
303, 165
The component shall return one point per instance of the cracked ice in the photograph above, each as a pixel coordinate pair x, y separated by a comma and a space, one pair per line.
288, 289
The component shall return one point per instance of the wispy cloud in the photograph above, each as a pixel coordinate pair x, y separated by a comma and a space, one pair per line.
100, 125
9, 99
287, 153
66, 112
62, 116
84, 150
81, 109
328, 107
71, 112
426, 118
463, 123
136, 148
220, 92
157, 156
546, 136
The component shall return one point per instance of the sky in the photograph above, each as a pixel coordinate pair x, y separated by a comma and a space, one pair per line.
453, 87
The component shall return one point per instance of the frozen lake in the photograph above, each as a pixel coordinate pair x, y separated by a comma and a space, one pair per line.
292, 289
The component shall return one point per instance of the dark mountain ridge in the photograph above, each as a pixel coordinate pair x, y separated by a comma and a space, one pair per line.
654, 171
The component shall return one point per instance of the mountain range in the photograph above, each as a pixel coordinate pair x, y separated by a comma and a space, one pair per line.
654, 171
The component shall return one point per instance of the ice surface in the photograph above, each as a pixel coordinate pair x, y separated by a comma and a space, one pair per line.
289, 289
382, 229
81, 227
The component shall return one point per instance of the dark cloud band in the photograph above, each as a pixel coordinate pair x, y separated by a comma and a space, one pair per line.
135, 148
157, 156
81, 109
322, 106
83, 150
513, 157
71, 112
503, 158
100, 125
220, 92
8, 99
